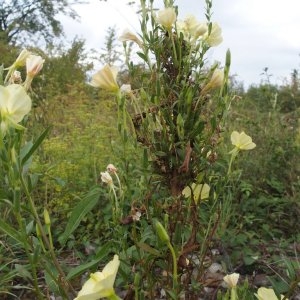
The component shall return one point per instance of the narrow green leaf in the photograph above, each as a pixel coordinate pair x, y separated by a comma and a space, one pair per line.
82, 268
101, 254
23, 272
7, 229
142, 56
78, 213
148, 249
37, 143
51, 274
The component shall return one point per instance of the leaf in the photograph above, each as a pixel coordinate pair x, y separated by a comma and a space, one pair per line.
78, 213
37, 143
7, 229
103, 252
148, 249
197, 128
50, 274
142, 56
160, 153
22, 271
82, 268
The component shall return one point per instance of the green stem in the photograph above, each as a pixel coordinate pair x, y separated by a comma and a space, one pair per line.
233, 294
116, 214
46, 241
174, 48
233, 155
175, 272
32, 264
114, 297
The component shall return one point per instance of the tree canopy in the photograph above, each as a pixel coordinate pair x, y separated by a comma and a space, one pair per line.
23, 20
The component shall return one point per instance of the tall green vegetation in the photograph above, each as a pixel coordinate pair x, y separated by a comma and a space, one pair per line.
148, 174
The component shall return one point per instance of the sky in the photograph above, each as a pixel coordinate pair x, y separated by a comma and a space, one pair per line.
259, 33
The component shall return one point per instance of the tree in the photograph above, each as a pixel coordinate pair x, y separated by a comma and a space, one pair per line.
23, 20
110, 54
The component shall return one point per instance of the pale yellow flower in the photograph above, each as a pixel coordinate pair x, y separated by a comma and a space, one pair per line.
100, 284
191, 28
215, 81
14, 105
242, 141
215, 37
267, 294
181, 28
34, 64
106, 78
106, 178
129, 36
231, 279
200, 191
217, 78
19, 62
21, 59
194, 28
167, 17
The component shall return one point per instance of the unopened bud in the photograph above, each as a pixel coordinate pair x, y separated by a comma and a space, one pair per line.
47, 217
38, 232
162, 233
228, 59
21, 59
34, 64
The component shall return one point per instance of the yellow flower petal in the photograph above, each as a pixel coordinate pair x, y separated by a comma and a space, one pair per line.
100, 284
167, 17
14, 105
215, 37
242, 141
266, 294
200, 191
106, 78
232, 279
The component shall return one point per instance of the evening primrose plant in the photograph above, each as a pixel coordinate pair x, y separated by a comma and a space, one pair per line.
175, 114
163, 219
21, 220
167, 209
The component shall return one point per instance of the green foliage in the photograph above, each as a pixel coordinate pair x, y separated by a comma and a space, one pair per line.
110, 54
275, 163
23, 21
148, 135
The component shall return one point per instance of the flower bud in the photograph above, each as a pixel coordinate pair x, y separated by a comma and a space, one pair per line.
34, 64
228, 58
232, 279
21, 59
106, 178
129, 36
38, 232
111, 168
161, 231
47, 217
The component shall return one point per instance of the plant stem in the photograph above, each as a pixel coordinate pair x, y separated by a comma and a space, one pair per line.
175, 273
114, 297
46, 241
